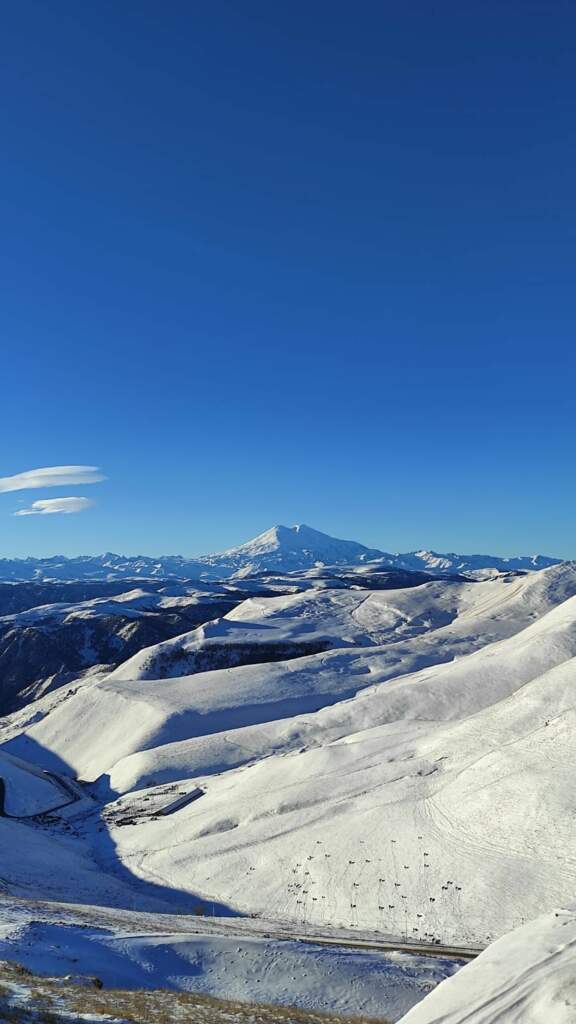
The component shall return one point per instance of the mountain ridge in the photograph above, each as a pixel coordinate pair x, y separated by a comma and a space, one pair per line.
278, 548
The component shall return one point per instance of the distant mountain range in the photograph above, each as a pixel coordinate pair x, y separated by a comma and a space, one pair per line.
280, 549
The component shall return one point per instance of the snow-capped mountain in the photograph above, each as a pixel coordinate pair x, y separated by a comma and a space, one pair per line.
279, 549
432, 561
289, 549
105, 567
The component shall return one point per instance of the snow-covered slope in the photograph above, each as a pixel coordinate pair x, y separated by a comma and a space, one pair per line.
142, 951
413, 778
353, 788
44, 647
422, 625
88, 730
53, 633
392, 825
26, 790
526, 977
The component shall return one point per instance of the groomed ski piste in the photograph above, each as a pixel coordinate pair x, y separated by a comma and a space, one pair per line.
410, 784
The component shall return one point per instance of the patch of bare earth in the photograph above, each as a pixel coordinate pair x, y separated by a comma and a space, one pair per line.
27, 998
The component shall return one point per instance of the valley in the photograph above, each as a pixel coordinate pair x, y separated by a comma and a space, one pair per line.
305, 766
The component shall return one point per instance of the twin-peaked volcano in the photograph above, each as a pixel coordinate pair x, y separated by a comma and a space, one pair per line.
296, 547
279, 549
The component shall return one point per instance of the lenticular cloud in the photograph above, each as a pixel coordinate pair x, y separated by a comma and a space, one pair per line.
49, 506
51, 476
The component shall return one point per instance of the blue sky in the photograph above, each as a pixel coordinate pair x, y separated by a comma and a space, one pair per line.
290, 263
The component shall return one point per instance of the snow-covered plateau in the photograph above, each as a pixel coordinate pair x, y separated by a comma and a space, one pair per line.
352, 755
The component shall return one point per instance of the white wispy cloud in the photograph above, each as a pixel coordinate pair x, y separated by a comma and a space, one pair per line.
51, 476
49, 506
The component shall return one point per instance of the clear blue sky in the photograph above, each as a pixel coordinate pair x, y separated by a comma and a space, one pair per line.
303, 262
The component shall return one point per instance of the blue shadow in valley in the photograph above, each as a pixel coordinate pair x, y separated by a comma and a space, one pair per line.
114, 885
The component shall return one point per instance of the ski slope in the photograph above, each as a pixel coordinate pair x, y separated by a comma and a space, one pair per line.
391, 827
228, 717
413, 779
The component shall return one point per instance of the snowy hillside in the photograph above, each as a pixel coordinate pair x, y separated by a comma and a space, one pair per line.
428, 623
336, 754
281, 548
54, 633
527, 977
46, 646
371, 814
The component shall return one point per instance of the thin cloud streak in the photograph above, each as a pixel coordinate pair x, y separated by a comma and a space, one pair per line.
51, 476
52, 506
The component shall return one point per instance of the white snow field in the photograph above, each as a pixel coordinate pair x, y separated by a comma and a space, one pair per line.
27, 790
459, 616
204, 718
413, 780
130, 604
134, 950
527, 977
